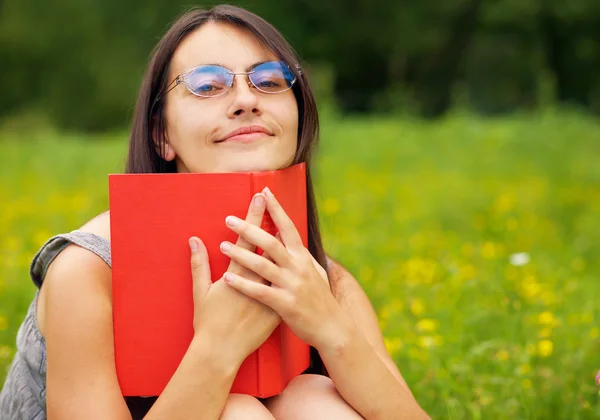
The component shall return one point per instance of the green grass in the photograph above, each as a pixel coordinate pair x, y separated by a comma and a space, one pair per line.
427, 216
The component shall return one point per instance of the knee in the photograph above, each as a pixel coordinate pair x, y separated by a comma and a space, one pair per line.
242, 407
311, 397
309, 386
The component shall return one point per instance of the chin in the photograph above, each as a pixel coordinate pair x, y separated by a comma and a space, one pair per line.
252, 165
249, 167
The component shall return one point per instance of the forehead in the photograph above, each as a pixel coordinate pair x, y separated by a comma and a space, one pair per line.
219, 43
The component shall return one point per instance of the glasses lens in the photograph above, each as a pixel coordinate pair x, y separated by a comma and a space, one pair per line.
272, 77
209, 81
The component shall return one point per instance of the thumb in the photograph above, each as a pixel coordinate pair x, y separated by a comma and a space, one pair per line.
200, 268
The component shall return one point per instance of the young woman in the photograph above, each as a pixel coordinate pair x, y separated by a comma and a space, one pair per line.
223, 93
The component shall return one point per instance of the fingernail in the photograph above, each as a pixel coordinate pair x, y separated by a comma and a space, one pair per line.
225, 246
259, 200
268, 192
193, 245
232, 221
228, 277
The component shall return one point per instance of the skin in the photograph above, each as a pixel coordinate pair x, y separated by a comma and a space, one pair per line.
332, 314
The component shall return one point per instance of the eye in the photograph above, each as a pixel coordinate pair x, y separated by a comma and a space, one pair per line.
206, 87
268, 82
206, 83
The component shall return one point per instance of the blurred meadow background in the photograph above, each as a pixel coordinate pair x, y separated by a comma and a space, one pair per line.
457, 174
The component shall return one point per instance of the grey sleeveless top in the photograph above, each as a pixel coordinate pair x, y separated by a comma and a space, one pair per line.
23, 396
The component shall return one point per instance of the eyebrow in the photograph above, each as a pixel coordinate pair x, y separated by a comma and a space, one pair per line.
258, 63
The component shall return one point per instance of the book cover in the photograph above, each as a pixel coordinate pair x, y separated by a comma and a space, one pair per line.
152, 216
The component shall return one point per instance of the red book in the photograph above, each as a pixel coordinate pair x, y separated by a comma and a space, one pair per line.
152, 216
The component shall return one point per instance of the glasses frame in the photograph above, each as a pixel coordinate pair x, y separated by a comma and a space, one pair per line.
180, 80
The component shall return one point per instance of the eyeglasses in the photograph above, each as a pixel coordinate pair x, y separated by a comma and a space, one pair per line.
211, 80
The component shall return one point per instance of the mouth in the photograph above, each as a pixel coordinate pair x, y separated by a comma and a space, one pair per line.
247, 134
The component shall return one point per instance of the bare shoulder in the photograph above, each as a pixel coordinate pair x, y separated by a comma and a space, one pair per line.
99, 225
76, 270
75, 318
76, 275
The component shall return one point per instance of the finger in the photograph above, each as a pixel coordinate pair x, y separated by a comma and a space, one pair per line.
266, 295
200, 267
257, 236
253, 262
289, 234
256, 211
255, 214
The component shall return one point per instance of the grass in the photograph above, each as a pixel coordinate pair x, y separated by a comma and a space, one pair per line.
476, 240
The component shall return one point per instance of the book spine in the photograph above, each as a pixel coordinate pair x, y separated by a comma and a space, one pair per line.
269, 378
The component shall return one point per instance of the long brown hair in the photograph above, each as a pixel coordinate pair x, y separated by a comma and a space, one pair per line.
149, 118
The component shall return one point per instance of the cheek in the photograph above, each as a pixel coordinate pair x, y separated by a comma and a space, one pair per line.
288, 115
189, 121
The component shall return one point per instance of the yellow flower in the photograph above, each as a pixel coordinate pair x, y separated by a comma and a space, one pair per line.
467, 271
3, 323
594, 333
417, 307
427, 325
488, 250
393, 345
545, 348
502, 355
546, 318
524, 369
331, 206
530, 287
5, 351
425, 341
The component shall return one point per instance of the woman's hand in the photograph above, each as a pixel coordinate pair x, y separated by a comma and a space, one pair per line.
235, 323
299, 290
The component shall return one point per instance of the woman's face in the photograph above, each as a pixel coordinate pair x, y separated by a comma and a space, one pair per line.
196, 126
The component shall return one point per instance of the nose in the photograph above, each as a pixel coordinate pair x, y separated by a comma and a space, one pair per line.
245, 100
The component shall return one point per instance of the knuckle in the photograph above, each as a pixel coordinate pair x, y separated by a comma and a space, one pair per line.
304, 270
260, 293
291, 301
295, 288
272, 243
262, 265
244, 244
242, 228
196, 263
255, 214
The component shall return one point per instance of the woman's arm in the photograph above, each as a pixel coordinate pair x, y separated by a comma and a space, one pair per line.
301, 293
81, 375
356, 306
357, 360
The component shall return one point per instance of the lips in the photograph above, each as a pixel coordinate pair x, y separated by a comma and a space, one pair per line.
246, 133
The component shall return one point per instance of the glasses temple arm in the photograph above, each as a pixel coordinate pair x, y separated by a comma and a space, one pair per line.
169, 88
